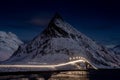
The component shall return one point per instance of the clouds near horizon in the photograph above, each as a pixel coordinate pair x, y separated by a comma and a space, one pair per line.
39, 21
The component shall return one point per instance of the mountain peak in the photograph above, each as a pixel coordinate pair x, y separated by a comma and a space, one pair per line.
59, 28
57, 16
54, 28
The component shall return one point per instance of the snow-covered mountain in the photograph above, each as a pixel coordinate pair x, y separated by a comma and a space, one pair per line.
9, 43
116, 49
60, 41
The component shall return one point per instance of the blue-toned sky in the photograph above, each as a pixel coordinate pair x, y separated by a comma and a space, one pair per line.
98, 19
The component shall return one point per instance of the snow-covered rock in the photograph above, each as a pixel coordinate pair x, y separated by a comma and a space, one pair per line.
9, 43
60, 41
116, 49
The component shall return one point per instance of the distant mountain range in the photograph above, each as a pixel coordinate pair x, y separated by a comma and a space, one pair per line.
9, 43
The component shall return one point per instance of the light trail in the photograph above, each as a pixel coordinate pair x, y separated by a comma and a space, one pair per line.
44, 66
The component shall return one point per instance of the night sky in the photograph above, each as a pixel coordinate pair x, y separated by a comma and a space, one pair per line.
98, 19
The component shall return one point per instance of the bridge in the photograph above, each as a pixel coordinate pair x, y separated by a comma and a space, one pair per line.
72, 61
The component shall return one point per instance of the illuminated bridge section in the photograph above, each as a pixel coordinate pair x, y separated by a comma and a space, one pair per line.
84, 63
80, 62
77, 58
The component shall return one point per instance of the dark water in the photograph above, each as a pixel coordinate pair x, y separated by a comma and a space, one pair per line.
102, 74
105, 74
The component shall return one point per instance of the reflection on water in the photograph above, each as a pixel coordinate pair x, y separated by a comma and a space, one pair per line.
64, 75
70, 75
